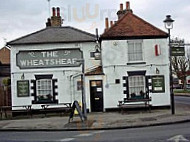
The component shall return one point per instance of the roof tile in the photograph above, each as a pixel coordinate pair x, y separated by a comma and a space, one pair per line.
55, 35
131, 26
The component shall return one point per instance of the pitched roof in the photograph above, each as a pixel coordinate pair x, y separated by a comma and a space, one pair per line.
132, 26
55, 35
5, 56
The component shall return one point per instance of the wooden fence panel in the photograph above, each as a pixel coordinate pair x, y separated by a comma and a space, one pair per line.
5, 96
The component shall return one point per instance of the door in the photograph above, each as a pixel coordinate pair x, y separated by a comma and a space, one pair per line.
96, 95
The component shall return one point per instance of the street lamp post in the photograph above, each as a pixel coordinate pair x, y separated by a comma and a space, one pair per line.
82, 61
169, 25
83, 90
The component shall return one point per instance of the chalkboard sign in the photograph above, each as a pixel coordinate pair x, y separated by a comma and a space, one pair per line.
158, 84
23, 88
76, 105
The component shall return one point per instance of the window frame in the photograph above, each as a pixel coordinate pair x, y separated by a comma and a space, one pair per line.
143, 81
44, 89
142, 50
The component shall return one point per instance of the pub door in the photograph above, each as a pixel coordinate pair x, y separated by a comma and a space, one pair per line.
96, 96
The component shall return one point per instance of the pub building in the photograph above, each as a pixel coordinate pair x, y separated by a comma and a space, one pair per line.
135, 60
46, 66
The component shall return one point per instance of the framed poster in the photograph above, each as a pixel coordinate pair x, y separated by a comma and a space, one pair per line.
23, 88
158, 84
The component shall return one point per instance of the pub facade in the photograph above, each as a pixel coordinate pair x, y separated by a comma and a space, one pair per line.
46, 66
135, 60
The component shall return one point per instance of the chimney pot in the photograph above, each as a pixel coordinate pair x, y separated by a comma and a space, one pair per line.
53, 11
107, 23
58, 11
121, 7
127, 5
48, 24
111, 23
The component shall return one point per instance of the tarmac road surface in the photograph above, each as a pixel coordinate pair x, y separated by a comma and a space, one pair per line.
166, 133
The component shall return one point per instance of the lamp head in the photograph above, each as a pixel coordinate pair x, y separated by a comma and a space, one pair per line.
168, 22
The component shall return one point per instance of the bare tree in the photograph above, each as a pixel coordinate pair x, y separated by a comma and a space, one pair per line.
180, 67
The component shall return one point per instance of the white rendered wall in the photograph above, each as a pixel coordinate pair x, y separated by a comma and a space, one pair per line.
66, 76
115, 59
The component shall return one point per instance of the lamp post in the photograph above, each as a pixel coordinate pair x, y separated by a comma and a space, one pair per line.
169, 25
83, 90
82, 61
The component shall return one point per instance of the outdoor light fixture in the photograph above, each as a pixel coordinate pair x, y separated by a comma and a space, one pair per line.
22, 76
157, 71
169, 25
97, 53
168, 22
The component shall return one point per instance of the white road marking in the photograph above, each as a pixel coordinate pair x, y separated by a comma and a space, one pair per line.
98, 132
66, 140
178, 138
84, 135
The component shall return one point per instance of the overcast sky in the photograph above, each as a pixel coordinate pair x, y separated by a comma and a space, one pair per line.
22, 17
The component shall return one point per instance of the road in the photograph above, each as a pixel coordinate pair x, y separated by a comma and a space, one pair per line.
182, 100
167, 133
147, 134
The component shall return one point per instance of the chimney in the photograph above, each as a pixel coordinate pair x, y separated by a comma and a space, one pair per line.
107, 24
53, 11
58, 11
111, 23
121, 7
56, 20
127, 5
122, 12
48, 23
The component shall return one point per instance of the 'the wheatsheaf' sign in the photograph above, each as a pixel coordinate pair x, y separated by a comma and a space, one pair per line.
48, 58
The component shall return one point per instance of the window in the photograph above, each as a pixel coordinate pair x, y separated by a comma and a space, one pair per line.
117, 81
137, 87
92, 55
79, 85
135, 51
44, 90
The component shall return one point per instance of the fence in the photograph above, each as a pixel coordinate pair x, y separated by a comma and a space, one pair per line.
5, 95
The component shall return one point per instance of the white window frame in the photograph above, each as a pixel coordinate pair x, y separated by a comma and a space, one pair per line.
134, 42
48, 87
134, 84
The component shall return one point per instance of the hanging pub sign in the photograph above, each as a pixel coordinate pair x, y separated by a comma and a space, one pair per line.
177, 47
48, 58
178, 51
158, 84
22, 88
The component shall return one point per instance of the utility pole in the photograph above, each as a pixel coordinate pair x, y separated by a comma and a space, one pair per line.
49, 8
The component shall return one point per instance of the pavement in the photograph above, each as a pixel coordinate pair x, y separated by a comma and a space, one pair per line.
100, 121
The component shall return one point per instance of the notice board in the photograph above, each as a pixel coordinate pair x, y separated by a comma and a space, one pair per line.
23, 88
158, 84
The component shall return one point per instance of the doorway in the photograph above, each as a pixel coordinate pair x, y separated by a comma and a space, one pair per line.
96, 95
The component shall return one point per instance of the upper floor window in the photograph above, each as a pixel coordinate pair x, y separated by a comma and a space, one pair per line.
135, 51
